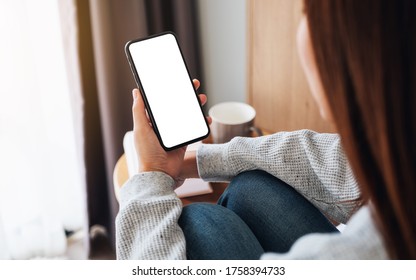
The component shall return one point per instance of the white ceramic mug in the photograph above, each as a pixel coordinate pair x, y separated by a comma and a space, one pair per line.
231, 119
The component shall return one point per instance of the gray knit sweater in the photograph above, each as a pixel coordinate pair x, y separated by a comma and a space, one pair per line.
314, 164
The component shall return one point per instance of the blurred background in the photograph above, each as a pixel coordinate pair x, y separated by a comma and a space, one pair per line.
65, 102
65, 105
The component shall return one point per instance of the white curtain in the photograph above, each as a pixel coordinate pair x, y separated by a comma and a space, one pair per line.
42, 186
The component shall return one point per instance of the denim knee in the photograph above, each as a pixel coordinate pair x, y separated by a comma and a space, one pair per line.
245, 186
274, 211
214, 232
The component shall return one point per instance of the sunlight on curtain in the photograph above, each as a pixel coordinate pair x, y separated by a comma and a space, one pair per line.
42, 190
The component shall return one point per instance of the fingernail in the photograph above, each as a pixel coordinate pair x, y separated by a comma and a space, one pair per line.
134, 92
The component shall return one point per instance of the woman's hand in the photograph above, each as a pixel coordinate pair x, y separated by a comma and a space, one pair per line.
151, 155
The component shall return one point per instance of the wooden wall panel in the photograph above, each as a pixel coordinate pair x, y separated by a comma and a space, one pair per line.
277, 87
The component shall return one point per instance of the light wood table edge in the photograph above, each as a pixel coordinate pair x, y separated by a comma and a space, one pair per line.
120, 175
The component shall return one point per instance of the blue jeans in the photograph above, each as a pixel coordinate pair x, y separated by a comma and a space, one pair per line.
257, 213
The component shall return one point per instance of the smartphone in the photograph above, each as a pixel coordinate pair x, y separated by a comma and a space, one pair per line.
169, 95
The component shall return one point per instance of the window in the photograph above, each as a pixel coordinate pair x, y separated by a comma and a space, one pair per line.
41, 182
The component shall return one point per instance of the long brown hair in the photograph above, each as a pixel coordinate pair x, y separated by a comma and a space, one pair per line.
366, 55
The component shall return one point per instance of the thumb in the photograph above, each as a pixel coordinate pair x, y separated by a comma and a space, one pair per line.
140, 120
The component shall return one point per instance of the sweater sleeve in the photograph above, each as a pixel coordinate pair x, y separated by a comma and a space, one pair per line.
312, 163
147, 223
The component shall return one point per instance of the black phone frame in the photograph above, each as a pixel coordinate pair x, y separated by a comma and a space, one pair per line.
143, 94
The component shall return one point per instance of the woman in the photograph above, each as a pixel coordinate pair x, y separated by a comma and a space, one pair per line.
359, 60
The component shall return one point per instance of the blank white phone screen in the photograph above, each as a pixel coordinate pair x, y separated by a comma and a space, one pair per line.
168, 89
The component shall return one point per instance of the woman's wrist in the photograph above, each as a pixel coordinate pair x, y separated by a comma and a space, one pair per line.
189, 168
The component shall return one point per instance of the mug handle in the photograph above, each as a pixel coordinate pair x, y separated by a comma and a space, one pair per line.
256, 130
